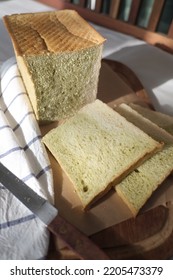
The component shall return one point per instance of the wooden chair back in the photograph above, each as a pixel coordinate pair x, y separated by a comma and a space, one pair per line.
111, 14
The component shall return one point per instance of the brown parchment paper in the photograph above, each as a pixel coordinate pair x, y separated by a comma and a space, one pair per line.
110, 209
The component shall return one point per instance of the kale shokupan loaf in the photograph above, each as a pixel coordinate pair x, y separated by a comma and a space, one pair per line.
97, 147
59, 57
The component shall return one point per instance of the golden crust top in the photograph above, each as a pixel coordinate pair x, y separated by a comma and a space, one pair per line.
54, 32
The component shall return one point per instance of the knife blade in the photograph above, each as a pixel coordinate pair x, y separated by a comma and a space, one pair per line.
48, 214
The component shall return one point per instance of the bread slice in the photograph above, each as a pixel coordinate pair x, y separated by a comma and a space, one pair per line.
139, 185
96, 148
161, 119
59, 57
149, 127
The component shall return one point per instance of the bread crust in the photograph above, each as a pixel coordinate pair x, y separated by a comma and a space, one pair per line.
31, 34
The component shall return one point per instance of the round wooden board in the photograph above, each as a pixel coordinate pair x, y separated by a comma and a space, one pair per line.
150, 234
147, 237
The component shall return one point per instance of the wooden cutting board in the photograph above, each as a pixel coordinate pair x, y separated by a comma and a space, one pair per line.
150, 234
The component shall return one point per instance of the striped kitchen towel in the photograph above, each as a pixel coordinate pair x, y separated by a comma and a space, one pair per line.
22, 235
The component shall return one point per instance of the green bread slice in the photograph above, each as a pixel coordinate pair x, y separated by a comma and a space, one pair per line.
96, 148
161, 119
139, 185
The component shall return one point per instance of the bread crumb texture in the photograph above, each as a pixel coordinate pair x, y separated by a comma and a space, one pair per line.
95, 147
64, 83
137, 187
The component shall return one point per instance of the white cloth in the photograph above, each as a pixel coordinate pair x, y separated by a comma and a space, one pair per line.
153, 66
22, 235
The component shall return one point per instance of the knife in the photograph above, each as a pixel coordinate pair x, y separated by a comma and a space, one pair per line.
48, 214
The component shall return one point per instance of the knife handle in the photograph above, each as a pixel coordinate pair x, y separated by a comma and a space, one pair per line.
76, 240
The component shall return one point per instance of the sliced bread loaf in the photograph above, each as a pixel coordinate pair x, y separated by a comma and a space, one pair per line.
59, 57
139, 185
97, 147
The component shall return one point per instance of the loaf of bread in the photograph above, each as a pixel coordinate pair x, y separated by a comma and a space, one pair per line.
139, 185
59, 57
97, 147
